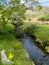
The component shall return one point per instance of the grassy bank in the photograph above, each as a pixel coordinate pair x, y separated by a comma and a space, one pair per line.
41, 32
11, 45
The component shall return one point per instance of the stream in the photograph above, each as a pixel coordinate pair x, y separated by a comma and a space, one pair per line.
36, 54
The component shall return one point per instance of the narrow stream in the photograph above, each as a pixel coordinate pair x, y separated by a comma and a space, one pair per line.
34, 52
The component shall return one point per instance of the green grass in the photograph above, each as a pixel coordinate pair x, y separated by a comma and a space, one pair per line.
41, 32
12, 45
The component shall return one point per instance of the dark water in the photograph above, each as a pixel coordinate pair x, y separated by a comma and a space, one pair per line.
34, 52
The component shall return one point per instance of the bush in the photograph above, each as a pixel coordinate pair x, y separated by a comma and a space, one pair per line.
29, 19
39, 7
44, 18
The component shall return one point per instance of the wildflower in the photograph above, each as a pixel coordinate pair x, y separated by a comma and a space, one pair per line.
11, 56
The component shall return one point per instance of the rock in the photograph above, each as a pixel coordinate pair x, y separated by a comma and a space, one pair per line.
4, 58
47, 49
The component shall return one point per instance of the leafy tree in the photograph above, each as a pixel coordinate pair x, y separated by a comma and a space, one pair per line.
13, 11
39, 7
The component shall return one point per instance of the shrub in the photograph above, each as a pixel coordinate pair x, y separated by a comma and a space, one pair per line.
44, 18
29, 19
39, 7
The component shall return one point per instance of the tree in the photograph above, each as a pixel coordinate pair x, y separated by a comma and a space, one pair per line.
39, 7
13, 9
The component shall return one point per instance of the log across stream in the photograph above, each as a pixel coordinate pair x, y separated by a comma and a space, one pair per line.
34, 52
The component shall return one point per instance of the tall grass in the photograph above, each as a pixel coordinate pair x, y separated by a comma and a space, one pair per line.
10, 44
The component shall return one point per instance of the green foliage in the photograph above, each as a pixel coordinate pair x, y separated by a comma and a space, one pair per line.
41, 32
6, 12
7, 9
44, 18
39, 7
10, 44
29, 19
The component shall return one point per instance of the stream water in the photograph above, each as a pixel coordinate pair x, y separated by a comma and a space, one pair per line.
34, 52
